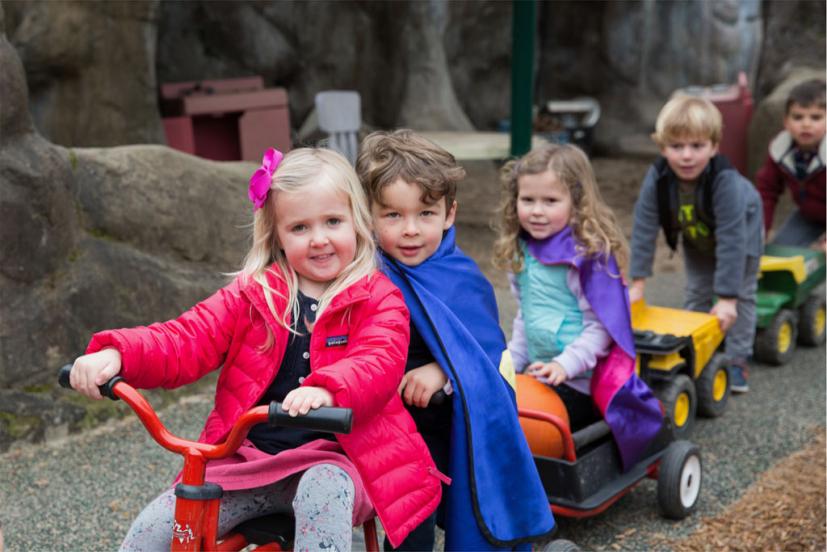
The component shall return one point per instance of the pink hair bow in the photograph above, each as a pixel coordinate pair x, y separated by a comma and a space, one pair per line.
262, 179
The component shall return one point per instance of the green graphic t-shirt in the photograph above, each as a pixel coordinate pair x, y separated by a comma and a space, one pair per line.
693, 229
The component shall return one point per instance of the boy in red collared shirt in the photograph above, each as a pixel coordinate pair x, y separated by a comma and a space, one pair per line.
796, 160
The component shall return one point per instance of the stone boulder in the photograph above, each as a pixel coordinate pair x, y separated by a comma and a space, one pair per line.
91, 69
794, 36
477, 41
165, 202
94, 239
429, 101
632, 55
156, 230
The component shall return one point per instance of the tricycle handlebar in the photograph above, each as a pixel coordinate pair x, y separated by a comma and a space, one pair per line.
107, 389
327, 418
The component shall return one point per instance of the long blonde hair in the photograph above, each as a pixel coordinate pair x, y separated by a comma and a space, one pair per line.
299, 169
593, 223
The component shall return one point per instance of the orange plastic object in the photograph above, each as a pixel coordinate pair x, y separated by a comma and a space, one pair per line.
543, 438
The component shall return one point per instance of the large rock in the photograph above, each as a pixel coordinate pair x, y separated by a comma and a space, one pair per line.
632, 55
91, 69
794, 36
156, 231
165, 202
94, 239
479, 59
429, 101
35, 198
425, 64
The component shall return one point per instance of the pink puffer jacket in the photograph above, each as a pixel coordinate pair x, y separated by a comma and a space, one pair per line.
357, 352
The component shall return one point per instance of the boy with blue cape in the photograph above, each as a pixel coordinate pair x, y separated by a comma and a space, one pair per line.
495, 499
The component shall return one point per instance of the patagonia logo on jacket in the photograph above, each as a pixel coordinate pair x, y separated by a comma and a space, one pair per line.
336, 341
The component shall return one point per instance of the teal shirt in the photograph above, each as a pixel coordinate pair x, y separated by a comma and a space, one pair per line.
550, 311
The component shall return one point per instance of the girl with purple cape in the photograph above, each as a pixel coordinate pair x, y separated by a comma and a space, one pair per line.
565, 252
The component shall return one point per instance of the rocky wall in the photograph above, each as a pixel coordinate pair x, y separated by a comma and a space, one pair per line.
425, 64
93, 239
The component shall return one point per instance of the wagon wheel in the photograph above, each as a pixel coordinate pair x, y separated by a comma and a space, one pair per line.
776, 343
679, 480
713, 387
679, 398
812, 321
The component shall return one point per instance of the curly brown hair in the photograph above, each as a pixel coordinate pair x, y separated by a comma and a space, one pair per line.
594, 225
386, 156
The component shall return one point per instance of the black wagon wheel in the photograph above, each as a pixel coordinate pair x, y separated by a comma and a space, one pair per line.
680, 400
713, 387
812, 320
775, 344
679, 480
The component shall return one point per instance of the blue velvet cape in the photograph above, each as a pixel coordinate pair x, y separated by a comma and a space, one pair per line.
496, 499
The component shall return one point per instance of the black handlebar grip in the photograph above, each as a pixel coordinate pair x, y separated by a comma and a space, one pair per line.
106, 389
438, 398
329, 419
63, 376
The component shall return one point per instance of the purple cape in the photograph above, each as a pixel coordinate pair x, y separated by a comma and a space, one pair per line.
626, 402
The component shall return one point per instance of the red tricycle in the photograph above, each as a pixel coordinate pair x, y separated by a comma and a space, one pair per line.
196, 504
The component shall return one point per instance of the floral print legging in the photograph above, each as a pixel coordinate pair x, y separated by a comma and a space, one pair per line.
321, 499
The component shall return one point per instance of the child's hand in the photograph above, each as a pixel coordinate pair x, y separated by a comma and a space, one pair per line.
418, 385
302, 399
92, 370
726, 311
552, 373
636, 290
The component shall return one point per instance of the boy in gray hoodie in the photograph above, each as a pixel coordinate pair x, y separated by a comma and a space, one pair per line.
693, 193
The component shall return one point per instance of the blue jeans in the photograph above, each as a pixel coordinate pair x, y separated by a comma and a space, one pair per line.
798, 230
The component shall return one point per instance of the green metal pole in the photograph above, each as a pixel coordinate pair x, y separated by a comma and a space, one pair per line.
523, 29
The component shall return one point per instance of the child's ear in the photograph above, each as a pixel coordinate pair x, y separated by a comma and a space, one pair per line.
450, 216
788, 123
715, 150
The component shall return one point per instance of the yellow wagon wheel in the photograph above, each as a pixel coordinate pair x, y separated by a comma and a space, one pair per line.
679, 398
713, 387
682, 406
812, 321
785, 337
775, 344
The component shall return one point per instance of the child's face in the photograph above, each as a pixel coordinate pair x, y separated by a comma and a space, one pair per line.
408, 229
688, 156
805, 125
543, 204
315, 229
